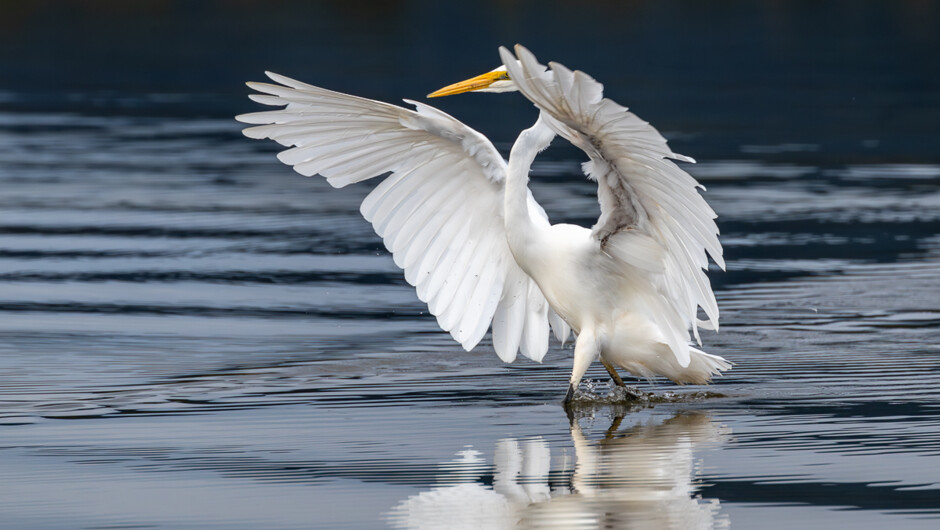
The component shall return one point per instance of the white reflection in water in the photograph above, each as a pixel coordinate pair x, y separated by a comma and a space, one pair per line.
642, 477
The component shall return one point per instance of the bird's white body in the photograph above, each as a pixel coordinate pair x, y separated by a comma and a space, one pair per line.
479, 249
600, 298
604, 300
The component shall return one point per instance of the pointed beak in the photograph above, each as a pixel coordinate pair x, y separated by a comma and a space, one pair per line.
475, 83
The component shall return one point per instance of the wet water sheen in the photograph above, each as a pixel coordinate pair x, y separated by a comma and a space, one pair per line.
193, 336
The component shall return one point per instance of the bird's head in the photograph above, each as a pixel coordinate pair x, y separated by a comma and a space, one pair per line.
493, 81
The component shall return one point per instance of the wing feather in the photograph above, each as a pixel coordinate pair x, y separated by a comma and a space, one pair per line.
509, 317
415, 231
427, 246
560, 328
458, 268
535, 337
439, 210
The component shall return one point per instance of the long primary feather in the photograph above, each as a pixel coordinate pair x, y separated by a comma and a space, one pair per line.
439, 211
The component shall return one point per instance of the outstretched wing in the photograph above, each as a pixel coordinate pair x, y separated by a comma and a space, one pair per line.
440, 211
640, 190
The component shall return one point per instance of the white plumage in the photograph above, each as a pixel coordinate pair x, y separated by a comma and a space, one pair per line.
479, 249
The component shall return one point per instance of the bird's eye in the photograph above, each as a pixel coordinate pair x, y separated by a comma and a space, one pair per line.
503, 76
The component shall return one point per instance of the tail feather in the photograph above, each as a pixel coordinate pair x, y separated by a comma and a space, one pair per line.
660, 361
703, 367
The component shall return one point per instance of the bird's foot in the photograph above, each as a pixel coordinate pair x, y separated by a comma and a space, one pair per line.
579, 398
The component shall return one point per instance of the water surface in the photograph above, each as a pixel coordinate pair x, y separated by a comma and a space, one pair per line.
193, 336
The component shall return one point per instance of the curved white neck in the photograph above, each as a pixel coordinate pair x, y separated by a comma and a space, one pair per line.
519, 224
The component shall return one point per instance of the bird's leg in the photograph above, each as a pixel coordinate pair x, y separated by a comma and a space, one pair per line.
569, 409
613, 373
586, 349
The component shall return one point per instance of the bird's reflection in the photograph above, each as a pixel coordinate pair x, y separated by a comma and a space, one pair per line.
642, 476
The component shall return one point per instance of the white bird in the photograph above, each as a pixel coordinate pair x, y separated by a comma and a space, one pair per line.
480, 250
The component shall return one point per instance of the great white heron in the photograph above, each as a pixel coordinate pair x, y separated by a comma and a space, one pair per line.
480, 250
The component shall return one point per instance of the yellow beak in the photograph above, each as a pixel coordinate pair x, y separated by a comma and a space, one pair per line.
475, 83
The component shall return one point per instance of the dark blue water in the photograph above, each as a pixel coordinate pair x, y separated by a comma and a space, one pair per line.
193, 336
